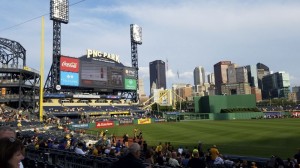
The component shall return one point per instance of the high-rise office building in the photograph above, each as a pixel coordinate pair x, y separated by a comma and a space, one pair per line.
237, 82
157, 70
141, 91
211, 78
296, 93
252, 75
231, 73
199, 76
220, 71
241, 75
142, 95
262, 70
276, 85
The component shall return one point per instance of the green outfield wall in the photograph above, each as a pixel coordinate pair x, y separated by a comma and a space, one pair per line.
214, 104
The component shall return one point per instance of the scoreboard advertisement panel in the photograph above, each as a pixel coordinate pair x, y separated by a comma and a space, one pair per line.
103, 73
69, 64
130, 84
69, 78
99, 74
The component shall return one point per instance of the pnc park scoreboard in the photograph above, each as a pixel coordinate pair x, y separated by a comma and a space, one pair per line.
96, 70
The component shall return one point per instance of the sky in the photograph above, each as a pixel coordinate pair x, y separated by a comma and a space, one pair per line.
183, 33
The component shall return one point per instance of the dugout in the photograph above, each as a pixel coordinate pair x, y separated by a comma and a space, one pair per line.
178, 116
172, 116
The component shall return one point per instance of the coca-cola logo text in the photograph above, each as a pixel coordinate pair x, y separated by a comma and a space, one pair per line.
69, 64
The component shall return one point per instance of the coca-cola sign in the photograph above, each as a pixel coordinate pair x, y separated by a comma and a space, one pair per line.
69, 64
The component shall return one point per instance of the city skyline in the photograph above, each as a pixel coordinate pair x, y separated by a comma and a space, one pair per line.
184, 34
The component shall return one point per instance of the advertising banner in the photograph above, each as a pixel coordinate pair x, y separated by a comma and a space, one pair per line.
80, 125
130, 84
92, 125
159, 120
69, 64
296, 114
144, 121
124, 122
130, 73
69, 78
104, 124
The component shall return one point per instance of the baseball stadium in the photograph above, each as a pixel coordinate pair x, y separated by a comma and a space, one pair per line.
93, 105
88, 114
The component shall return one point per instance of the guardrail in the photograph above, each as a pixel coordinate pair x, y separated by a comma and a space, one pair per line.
12, 66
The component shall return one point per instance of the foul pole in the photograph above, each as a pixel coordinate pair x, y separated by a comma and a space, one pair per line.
42, 70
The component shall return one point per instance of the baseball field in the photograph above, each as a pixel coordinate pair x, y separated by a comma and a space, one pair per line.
261, 138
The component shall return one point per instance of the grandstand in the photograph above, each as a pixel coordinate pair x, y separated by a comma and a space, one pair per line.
77, 105
19, 83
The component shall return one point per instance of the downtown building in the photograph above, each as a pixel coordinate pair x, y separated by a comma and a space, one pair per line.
199, 76
236, 80
199, 81
157, 70
211, 78
295, 94
142, 95
262, 70
276, 85
202, 88
220, 71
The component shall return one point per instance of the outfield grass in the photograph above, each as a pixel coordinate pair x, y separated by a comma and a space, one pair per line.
261, 138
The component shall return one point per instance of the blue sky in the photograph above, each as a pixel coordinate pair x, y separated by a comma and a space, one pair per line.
187, 33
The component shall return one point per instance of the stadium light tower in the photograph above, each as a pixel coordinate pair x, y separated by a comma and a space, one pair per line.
59, 13
136, 38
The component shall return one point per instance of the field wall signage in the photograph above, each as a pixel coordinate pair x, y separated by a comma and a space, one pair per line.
144, 121
104, 124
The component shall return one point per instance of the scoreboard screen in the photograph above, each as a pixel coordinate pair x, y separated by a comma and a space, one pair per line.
94, 73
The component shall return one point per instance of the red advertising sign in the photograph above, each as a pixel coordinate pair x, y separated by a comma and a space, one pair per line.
296, 114
69, 64
104, 124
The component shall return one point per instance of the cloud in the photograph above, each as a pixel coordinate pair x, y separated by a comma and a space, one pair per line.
170, 74
144, 72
